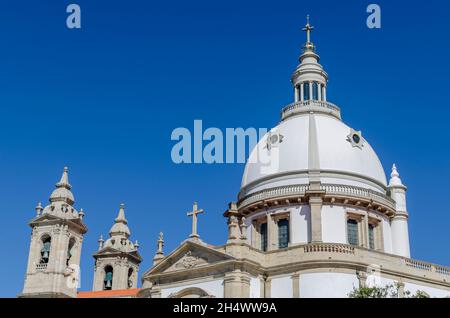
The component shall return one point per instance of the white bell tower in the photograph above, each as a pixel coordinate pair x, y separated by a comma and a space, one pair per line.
117, 260
55, 248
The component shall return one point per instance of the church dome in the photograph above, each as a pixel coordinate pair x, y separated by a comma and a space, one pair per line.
311, 144
306, 142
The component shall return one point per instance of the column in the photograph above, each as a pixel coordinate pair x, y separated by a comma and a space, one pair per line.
296, 285
319, 91
324, 93
99, 275
365, 231
401, 290
268, 288
315, 203
272, 234
254, 235
236, 284
296, 93
311, 90
302, 93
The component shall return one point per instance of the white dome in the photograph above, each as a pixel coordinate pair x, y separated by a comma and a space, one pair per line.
313, 142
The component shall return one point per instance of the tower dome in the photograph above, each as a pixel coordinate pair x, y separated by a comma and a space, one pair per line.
311, 144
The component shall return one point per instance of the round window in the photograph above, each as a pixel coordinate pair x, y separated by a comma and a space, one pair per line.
273, 138
356, 138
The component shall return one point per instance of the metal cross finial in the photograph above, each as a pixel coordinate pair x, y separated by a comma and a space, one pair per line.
308, 28
194, 213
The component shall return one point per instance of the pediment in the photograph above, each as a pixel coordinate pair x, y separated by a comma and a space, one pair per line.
107, 251
53, 219
188, 256
110, 251
44, 218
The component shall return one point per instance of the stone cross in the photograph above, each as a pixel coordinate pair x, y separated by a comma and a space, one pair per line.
194, 213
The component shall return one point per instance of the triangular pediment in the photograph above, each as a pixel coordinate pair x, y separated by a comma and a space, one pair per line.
111, 251
44, 218
50, 218
107, 251
189, 255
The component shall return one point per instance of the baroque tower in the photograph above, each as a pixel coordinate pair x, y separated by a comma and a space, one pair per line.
117, 260
55, 248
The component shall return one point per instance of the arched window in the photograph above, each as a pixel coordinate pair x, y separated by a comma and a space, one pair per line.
315, 89
283, 233
306, 91
45, 250
130, 277
70, 250
107, 282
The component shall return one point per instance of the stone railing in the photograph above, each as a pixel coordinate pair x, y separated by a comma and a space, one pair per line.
331, 248
41, 267
441, 269
310, 105
427, 266
330, 189
285, 191
357, 192
356, 256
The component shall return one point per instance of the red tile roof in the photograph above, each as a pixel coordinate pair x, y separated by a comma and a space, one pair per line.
109, 293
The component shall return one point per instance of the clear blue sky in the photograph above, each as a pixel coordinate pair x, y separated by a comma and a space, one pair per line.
104, 101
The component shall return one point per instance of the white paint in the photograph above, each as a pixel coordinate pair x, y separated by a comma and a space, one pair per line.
387, 237
300, 224
281, 287
335, 152
214, 287
327, 285
432, 292
255, 287
400, 237
334, 224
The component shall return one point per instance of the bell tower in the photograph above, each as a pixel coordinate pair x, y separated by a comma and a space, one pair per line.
117, 260
55, 247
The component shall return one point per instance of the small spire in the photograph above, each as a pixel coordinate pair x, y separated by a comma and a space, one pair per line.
136, 244
64, 182
159, 252
62, 191
120, 226
243, 227
121, 216
39, 209
395, 177
81, 214
394, 172
100, 242
160, 244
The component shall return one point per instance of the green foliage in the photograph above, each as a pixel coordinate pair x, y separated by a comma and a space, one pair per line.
388, 291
